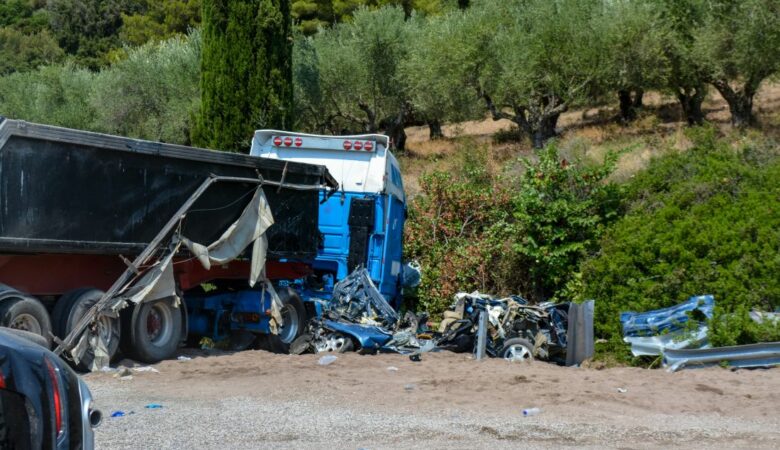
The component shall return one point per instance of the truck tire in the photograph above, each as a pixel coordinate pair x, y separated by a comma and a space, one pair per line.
151, 331
294, 317
26, 313
71, 307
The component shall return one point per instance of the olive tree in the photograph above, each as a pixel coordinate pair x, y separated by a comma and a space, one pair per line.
686, 78
527, 61
434, 98
739, 44
634, 39
348, 78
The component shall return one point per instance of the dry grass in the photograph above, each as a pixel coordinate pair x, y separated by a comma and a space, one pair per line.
588, 133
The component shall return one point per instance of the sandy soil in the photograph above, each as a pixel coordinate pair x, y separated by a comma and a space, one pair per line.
255, 399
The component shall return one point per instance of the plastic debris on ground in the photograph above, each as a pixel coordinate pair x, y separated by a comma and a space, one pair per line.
118, 414
678, 327
327, 360
764, 354
153, 406
531, 412
145, 369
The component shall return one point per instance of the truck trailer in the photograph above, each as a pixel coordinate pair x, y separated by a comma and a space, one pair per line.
92, 226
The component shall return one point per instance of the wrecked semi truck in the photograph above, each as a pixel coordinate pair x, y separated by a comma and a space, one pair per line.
109, 242
92, 227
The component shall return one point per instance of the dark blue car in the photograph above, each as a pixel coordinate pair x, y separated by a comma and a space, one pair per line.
43, 402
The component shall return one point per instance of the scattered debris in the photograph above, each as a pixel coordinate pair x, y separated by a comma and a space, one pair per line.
123, 372
739, 356
531, 412
145, 369
410, 387
327, 360
678, 327
118, 414
392, 369
622, 390
153, 406
184, 358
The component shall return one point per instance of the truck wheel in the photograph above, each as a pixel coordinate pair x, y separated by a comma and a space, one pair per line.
71, 307
152, 330
294, 318
27, 314
517, 349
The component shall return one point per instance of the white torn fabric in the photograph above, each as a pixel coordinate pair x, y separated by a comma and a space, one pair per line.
276, 308
157, 283
249, 228
101, 357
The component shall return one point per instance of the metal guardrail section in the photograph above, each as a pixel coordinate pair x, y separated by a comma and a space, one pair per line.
753, 355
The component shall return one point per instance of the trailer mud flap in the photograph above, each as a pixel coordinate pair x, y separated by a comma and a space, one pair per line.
361, 221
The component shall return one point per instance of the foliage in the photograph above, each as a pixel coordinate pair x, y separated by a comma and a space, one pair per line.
246, 71
475, 230
456, 230
560, 210
700, 222
160, 20
153, 93
311, 15
88, 29
20, 52
739, 44
348, 78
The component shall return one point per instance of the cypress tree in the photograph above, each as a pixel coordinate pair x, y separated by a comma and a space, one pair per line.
246, 71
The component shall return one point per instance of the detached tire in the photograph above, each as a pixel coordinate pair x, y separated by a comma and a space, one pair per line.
27, 314
71, 307
151, 330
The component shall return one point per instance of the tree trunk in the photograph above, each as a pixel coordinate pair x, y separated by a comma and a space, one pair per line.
639, 98
627, 112
395, 129
690, 101
543, 129
740, 102
434, 127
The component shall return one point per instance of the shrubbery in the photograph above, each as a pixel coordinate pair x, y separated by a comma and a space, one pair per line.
517, 233
704, 221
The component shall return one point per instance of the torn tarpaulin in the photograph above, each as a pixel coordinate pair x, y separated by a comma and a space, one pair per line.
249, 228
677, 327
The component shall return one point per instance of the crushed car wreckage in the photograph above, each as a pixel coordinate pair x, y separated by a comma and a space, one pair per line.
357, 318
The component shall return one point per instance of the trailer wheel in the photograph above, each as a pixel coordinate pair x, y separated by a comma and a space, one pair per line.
294, 318
26, 313
71, 307
152, 330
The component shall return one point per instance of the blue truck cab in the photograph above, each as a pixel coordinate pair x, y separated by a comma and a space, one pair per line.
361, 224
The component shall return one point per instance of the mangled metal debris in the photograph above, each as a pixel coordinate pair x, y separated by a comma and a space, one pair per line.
358, 318
754, 355
678, 327
516, 330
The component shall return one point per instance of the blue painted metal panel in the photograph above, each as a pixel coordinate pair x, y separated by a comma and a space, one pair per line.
385, 243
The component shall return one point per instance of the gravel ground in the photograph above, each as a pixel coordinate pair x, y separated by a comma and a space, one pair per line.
258, 400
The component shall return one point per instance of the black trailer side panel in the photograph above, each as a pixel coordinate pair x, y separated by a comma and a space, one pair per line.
69, 191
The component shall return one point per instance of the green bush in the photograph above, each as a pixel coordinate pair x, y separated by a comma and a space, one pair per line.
704, 221
523, 233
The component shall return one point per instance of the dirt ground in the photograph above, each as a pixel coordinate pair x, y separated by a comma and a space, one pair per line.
255, 399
